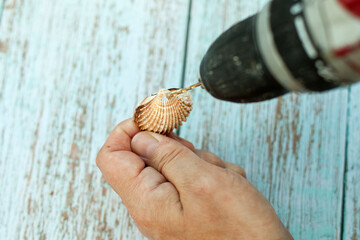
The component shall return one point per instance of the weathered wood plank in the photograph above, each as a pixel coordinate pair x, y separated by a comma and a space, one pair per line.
69, 71
292, 148
2, 2
352, 172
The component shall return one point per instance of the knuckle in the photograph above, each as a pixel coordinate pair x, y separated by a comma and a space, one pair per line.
119, 128
236, 168
190, 146
146, 186
231, 178
204, 185
212, 158
170, 152
242, 172
207, 155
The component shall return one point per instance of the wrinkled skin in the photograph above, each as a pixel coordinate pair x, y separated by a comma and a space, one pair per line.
173, 191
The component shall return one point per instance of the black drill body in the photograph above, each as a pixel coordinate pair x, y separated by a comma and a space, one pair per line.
235, 67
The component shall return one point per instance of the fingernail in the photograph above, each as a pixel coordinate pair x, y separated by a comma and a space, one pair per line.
145, 144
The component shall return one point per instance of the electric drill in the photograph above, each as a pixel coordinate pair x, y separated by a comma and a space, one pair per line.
291, 45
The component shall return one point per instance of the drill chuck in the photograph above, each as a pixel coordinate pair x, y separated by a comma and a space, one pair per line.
278, 50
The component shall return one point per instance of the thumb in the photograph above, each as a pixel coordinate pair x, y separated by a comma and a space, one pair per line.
176, 162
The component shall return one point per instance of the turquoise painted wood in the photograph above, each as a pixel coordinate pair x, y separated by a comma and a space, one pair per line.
352, 171
71, 70
1, 7
292, 148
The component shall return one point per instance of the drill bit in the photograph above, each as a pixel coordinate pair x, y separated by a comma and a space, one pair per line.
183, 90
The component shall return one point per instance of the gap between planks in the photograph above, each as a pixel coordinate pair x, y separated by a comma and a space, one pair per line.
187, 34
2, 2
350, 219
343, 192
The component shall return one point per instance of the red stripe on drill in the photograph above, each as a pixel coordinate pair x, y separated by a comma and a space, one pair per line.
352, 6
342, 52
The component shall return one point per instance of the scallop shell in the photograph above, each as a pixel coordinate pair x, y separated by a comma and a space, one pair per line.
163, 112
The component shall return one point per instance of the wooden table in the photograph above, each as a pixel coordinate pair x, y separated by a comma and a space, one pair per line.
71, 70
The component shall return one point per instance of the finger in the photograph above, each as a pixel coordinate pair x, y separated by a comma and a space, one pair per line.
182, 141
119, 141
235, 168
176, 162
139, 190
121, 136
210, 158
155, 188
215, 160
124, 170
121, 170
118, 164
155, 204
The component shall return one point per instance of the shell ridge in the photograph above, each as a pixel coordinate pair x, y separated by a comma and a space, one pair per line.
177, 119
163, 112
161, 124
172, 120
152, 117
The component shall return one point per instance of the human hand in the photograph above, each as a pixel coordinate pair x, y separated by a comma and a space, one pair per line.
173, 191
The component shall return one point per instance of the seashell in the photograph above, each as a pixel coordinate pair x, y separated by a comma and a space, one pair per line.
164, 111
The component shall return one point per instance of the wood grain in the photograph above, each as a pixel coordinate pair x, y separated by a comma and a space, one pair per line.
292, 148
69, 72
351, 223
2, 2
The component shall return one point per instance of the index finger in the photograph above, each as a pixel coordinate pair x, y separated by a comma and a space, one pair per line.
119, 165
120, 137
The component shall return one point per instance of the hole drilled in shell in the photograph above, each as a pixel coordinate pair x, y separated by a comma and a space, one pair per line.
163, 112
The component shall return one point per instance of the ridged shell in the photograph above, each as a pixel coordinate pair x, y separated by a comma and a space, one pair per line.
163, 112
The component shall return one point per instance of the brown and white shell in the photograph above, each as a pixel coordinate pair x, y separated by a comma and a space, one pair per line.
163, 112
